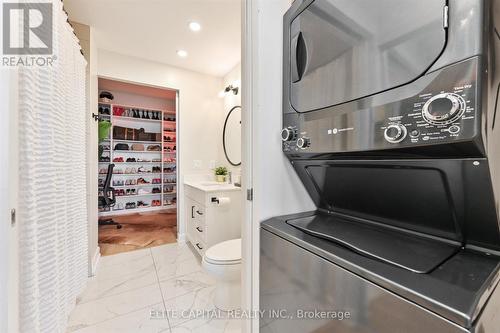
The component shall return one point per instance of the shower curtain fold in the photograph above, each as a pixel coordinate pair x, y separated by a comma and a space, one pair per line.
52, 186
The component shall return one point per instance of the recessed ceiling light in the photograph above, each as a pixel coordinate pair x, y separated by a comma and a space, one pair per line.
194, 26
182, 53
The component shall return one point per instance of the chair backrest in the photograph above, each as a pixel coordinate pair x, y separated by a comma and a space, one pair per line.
107, 187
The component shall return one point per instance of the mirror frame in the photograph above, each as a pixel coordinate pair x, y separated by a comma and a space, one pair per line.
224, 135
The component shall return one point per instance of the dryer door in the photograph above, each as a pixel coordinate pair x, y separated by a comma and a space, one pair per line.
342, 50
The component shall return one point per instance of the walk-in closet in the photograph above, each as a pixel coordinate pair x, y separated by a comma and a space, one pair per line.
137, 166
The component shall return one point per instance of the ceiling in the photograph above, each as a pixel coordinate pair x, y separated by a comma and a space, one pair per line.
155, 29
136, 89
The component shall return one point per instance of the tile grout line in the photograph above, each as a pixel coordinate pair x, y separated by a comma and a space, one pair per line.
115, 317
117, 294
161, 291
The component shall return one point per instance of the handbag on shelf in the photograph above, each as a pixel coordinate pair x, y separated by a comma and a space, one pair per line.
121, 146
119, 132
142, 135
130, 134
154, 148
138, 147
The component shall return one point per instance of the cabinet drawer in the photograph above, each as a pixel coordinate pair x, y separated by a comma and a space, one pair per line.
201, 232
199, 246
199, 212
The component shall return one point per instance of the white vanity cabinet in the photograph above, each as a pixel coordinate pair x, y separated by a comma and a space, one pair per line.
208, 220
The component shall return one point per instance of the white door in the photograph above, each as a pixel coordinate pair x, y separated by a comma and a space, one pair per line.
8, 201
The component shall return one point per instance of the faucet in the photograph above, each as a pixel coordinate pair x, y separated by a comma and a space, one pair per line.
230, 177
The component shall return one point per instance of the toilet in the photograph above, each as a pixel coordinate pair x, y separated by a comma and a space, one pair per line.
223, 262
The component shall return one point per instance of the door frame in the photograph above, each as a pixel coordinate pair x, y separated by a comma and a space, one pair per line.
250, 228
9, 183
180, 225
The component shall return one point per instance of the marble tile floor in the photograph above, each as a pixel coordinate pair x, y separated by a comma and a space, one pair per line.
159, 289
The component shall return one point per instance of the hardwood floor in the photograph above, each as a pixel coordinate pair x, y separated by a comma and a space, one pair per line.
138, 231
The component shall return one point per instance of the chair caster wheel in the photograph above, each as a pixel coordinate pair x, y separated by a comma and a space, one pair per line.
118, 227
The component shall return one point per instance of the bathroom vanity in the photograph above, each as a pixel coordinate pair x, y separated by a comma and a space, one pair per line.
213, 213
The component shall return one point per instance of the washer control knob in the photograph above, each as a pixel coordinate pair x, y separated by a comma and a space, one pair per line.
303, 142
443, 109
395, 133
288, 134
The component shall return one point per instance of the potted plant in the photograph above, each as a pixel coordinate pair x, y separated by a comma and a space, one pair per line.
220, 174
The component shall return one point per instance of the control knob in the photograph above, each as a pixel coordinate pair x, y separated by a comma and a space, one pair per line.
395, 133
288, 134
303, 142
443, 109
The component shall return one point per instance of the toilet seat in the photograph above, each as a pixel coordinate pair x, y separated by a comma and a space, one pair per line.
225, 253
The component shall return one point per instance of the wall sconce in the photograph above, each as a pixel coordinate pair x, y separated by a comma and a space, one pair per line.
234, 89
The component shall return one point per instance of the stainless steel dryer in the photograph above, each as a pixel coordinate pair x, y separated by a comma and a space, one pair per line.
389, 119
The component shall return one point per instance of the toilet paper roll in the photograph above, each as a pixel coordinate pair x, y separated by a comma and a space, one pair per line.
224, 201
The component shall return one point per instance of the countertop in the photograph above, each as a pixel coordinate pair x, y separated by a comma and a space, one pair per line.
211, 186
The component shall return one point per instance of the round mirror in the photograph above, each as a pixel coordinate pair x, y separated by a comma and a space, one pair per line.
231, 136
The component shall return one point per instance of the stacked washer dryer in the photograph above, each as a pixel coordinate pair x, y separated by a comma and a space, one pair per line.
390, 121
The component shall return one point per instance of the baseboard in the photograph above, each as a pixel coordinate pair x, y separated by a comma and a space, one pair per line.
181, 238
95, 260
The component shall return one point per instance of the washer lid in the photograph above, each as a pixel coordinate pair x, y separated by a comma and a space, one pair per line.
228, 251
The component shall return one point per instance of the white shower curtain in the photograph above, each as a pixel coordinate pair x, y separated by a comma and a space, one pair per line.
52, 187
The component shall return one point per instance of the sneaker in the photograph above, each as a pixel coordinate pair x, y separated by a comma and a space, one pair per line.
143, 191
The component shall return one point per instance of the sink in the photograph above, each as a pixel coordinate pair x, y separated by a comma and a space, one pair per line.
212, 184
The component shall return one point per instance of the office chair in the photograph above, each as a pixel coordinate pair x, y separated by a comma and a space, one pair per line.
107, 199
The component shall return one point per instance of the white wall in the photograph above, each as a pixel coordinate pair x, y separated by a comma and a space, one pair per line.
277, 189
86, 37
200, 108
231, 100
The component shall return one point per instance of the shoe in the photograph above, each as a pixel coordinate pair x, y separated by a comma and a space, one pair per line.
118, 159
142, 181
133, 182
156, 190
143, 191
131, 159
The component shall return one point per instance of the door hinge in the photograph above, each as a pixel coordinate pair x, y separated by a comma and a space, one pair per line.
445, 17
13, 217
250, 194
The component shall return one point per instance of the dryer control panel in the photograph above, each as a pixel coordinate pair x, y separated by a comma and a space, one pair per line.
438, 108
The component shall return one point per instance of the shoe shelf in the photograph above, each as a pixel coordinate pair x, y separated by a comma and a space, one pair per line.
167, 126
141, 120
134, 141
137, 195
138, 174
138, 185
124, 211
137, 151
136, 163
